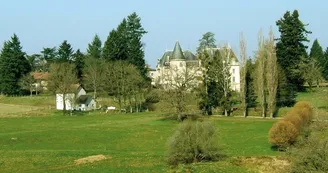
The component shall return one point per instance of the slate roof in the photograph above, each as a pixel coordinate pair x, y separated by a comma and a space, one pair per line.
177, 53
84, 99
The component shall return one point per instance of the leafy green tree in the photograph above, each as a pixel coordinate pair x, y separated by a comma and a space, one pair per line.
94, 48
207, 41
65, 52
290, 48
250, 91
13, 65
208, 91
325, 65
135, 33
79, 64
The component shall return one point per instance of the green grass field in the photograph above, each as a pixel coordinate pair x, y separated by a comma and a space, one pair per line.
47, 141
135, 142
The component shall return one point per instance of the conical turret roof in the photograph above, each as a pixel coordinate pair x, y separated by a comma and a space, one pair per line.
177, 53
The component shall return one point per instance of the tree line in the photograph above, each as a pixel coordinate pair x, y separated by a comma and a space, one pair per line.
271, 78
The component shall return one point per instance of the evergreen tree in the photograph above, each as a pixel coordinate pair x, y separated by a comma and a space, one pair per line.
250, 92
207, 41
135, 33
65, 52
317, 52
49, 54
325, 65
94, 48
116, 45
79, 64
13, 65
290, 49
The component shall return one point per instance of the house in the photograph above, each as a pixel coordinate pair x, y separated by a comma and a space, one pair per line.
41, 79
78, 100
176, 61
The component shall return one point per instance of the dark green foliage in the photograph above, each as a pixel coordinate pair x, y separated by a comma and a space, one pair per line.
325, 65
33, 61
290, 48
316, 51
94, 48
250, 92
13, 65
207, 41
79, 64
125, 44
65, 52
135, 33
49, 54
193, 141
208, 92
286, 94
115, 47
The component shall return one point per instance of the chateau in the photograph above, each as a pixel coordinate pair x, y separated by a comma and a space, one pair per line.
174, 63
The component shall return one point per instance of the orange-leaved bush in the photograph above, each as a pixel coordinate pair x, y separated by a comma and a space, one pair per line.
285, 132
282, 134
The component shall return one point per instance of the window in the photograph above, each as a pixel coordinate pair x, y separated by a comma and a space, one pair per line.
233, 79
151, 74
181, 64
233, 71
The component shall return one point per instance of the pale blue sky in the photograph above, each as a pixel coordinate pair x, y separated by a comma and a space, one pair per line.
46, 23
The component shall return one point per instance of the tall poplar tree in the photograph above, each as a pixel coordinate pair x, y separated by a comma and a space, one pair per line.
94, 48
13, 65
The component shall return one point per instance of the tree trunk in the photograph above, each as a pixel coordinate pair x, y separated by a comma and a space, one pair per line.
64, 105
31, 92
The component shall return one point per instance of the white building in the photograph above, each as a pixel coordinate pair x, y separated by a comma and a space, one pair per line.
177, 61
76, 101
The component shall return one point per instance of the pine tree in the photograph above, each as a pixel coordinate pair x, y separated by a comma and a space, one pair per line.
250, 92
136, 53
290, 49
94, 48
79, 64
49, 55
13, 65
325, 65
207, 41
65, 52
316, 51
116, 45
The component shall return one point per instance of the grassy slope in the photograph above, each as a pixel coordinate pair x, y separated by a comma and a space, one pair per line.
136, 143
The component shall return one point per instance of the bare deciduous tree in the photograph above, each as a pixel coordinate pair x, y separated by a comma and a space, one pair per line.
271, 74
260, 73
94, 74
243, 72
178, 84
61, 80
27, 82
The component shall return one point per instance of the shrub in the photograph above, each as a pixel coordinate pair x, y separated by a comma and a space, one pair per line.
193, 141
305, 110
283, 134
310, 156
294, 117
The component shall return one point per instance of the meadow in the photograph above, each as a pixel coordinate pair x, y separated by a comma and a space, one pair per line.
130, 142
